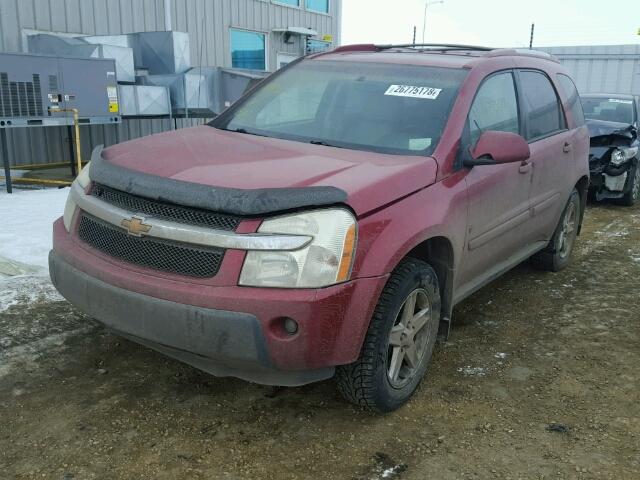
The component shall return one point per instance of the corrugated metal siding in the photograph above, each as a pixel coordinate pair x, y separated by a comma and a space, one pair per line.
206, 21
602, 68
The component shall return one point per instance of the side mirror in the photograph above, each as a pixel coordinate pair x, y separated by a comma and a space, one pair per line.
495, 147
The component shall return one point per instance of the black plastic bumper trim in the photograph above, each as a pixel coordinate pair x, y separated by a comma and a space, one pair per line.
219, 342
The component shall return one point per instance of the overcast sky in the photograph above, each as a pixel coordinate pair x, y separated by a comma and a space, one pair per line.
496, 23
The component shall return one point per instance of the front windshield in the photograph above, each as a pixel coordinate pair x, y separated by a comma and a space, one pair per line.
609, 109
385, 108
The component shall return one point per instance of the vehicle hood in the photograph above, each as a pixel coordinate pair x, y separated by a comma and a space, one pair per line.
604, 133
235, 162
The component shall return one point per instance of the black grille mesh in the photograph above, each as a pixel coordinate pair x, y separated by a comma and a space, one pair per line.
147, 252
176, 213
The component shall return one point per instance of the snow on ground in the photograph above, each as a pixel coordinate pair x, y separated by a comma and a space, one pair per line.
26, 219
469, 371
27, 216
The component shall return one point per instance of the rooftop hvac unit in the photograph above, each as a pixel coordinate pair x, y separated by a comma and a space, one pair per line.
35, 88
234, 83
161, 52
80, 47
191, 92
115, 40
205, 91
144, 101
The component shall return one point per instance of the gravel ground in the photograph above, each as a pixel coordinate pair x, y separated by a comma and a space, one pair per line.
539, 380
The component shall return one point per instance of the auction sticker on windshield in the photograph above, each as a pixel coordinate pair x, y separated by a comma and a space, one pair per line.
410, 91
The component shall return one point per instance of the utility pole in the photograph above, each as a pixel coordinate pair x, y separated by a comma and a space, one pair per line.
414, 35
533, 27
424, 17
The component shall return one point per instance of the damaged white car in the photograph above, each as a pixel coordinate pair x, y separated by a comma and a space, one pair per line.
613, 157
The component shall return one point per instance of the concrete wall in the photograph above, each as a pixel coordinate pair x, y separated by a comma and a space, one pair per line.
207, 22
602, 68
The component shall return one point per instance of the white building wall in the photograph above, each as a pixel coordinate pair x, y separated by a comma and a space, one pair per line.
602, 68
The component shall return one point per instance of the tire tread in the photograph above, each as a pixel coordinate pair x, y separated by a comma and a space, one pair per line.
356, 381
547, 259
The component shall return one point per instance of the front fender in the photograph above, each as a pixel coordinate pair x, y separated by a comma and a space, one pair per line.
387, 236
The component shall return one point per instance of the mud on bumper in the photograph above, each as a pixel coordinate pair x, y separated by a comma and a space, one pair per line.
220, 342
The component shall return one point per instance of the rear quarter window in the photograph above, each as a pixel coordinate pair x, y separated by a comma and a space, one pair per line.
573, 99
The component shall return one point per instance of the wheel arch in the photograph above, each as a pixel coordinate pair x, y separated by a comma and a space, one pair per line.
582, 186
438, 252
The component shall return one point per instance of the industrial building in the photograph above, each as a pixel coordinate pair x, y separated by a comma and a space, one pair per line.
602, 68
260, 35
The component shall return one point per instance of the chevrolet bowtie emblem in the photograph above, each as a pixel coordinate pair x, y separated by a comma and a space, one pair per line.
135, 226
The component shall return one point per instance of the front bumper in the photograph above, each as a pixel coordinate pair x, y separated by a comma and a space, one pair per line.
221, 342
609, 181
225, 330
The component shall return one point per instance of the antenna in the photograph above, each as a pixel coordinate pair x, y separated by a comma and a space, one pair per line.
533, 28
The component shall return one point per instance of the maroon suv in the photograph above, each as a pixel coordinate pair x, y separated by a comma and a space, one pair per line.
328, 222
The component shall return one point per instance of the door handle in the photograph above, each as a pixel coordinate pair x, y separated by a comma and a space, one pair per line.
525, 167
566, 147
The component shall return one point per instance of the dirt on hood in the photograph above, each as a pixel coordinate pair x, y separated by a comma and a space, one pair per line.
217, 158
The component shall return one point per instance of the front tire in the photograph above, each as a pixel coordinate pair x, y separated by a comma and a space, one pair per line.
557, 254
399, 343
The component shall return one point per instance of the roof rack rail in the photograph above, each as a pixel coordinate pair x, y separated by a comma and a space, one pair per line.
441, 47
370, 47
436, 46
359, 47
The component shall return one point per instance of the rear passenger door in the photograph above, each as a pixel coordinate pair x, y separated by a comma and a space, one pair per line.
545, 128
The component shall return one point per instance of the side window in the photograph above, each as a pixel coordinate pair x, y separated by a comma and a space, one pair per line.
573, 99
495, 107
543, 111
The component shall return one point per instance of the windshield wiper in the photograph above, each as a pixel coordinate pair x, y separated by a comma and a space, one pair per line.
324, 144
242, 130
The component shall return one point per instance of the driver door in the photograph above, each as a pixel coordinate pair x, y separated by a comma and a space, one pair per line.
498, 195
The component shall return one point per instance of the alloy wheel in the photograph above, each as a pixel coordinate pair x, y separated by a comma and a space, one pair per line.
566, 237
410, 337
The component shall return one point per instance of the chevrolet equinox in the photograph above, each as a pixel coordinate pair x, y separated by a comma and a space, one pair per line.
327, 223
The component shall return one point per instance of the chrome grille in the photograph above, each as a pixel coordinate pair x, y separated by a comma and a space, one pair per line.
167, 211
147, 252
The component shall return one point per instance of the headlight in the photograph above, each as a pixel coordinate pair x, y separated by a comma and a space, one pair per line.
622, 154
70, 207
326, 260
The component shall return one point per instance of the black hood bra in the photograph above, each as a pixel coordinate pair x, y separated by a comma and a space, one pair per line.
242, 202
